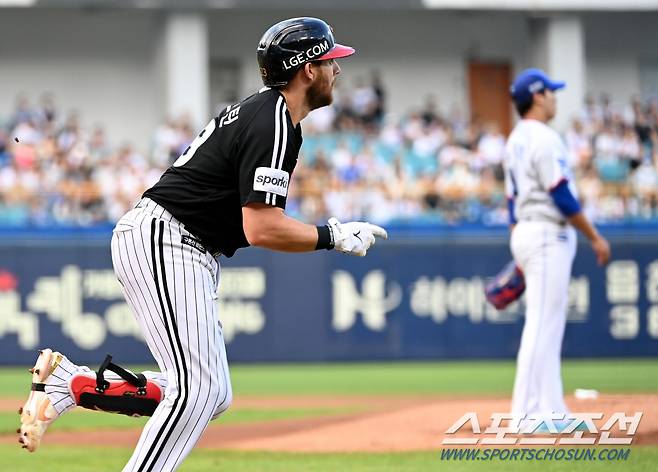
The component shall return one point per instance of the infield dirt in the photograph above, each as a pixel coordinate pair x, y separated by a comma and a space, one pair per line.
375, 424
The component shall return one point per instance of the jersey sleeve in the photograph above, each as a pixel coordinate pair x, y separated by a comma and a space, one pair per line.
552, 164
510, 193
511, 189
564, 200
266, 157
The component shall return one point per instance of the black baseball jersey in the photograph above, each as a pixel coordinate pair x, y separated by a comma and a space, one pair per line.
246, 154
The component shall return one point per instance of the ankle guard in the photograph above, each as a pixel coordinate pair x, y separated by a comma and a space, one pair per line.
134, 395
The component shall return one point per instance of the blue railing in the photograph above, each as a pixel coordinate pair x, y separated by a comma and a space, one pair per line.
412, 229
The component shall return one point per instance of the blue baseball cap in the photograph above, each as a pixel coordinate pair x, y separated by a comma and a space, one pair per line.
531, 81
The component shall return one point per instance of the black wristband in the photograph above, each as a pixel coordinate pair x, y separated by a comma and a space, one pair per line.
325, 241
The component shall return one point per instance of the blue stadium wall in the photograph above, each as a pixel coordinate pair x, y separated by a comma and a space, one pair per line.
412, 298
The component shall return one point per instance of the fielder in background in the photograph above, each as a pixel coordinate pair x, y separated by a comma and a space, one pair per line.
543, 212
227, 191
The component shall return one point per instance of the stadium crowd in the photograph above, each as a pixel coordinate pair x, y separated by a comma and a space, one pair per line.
357, 161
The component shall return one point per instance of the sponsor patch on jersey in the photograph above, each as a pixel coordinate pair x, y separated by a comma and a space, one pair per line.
271, 180
190, 241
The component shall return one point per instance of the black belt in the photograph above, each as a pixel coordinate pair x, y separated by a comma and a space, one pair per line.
190, 240
198, 245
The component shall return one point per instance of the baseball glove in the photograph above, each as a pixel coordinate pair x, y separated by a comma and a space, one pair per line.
506, 286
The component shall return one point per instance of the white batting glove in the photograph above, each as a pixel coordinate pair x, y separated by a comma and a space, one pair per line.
355, 237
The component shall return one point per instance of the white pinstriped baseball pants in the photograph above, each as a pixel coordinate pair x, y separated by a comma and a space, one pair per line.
545, 252
171, 288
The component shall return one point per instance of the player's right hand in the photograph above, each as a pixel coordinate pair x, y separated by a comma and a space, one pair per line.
601, 250
355, 237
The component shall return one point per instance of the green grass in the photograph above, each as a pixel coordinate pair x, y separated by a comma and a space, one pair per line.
457, 377
416, 378
62, 459
85, 420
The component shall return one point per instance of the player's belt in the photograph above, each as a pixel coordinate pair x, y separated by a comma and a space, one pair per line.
198, 245
544, 219
161, 212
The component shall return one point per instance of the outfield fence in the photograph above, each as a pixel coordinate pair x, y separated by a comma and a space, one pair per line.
411, 298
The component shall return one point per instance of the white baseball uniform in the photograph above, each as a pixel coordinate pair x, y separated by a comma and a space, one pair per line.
171, 287
543, 245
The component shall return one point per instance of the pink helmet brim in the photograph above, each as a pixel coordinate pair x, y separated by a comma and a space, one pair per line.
337, 52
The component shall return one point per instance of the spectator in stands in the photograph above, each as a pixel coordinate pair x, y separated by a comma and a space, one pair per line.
417, 166
490, 150
380, 94
98, 146
166, 143
606, 154
430, 113
4, 148
364, 101
629, 147
643, 127
579, 146
46, 114
22, 112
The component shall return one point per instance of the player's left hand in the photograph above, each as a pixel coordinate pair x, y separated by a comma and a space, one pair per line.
355, 237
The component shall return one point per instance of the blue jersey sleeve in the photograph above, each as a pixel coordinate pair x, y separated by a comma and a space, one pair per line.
564, 199
510, 210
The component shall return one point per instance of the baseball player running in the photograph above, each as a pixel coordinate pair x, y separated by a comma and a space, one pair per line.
226, 191
543, 211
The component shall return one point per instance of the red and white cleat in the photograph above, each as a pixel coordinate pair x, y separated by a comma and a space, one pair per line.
38, 412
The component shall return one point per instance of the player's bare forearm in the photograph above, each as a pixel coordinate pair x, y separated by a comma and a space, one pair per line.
267, 226
599, 244
580, 222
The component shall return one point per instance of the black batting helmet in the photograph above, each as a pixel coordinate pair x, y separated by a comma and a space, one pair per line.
289, 44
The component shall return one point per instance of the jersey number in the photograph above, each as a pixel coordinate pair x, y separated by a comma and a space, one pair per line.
198, 141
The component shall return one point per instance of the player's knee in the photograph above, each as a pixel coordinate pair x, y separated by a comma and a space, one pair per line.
224, 401
225, 398
228, 399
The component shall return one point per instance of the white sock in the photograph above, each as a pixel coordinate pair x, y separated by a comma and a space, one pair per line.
57, 385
